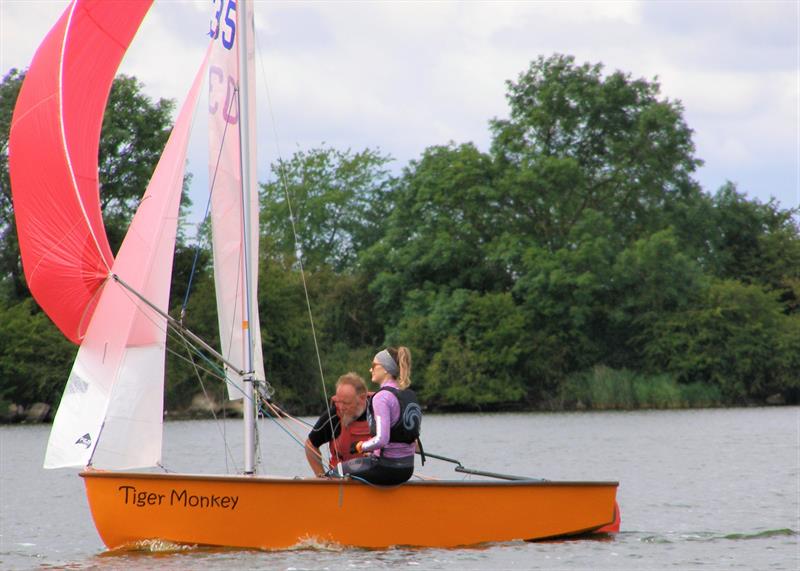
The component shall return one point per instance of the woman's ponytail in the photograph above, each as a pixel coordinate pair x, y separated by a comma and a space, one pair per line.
404, 362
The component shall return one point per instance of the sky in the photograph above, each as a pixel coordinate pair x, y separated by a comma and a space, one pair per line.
403, 76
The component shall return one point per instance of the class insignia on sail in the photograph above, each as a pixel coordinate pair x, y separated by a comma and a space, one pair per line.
85, 440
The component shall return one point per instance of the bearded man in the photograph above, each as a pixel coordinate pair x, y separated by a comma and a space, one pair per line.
342, 426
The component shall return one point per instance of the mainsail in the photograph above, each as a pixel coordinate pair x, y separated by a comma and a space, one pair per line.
231, 199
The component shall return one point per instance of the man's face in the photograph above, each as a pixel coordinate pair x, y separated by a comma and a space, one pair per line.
348, 404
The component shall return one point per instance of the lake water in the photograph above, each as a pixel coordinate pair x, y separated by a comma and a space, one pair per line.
699, 489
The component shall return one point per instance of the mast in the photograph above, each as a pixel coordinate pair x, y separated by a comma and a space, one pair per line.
245, 38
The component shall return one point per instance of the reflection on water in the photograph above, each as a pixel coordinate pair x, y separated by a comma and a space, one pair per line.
698, 489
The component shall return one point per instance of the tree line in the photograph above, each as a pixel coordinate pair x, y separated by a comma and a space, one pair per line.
575, 263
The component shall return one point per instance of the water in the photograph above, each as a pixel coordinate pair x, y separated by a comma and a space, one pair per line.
700, 489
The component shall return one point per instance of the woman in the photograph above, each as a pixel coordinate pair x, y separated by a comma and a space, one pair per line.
395, 420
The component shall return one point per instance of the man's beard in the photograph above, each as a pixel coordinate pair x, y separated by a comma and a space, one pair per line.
348, 419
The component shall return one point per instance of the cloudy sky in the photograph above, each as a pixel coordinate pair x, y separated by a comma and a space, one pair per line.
402, 76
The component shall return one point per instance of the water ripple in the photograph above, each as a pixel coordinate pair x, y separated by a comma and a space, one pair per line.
715, 536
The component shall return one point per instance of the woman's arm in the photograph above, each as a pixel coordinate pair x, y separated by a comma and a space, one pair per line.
381, 409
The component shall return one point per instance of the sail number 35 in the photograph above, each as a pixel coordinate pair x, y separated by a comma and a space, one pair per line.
223, 22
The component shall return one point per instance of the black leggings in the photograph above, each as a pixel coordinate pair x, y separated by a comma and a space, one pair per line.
380, 471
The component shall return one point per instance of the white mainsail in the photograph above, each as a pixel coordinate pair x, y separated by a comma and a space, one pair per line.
230, 202
112, 409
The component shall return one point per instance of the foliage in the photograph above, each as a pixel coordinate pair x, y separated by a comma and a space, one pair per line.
12, 279
135, 130
736, 338
576, 140
335, 198
753, 242
576, 264
603, 388
35, 359
440, 218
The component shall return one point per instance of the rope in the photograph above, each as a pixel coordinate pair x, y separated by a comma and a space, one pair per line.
219, 374
214, 414
292, 435
284, 183
191, 348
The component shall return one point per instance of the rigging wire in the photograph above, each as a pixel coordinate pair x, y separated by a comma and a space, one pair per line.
173, 333
214, 370
278, 415
285, 184
219, 374
233, 100
220, 425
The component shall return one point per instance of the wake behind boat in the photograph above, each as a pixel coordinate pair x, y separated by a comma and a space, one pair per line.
111, 415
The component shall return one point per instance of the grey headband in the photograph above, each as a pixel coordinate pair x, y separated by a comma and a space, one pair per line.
386, 361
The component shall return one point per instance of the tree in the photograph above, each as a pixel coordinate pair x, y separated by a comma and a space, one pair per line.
754, 242
336, 199
133, 135
35, 359
442, 218
135, 130
737, 337
12, 278
578, 140
475, 343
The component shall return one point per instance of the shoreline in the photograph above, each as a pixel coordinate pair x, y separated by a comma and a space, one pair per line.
232, 410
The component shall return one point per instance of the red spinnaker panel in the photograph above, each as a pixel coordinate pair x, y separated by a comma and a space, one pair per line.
53, 157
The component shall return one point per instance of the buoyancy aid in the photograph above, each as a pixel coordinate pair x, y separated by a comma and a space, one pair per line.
356, 431
408, 426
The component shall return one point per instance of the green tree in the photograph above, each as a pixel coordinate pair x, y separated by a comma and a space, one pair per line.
570, 305
336, 199
135, 130
737, 338
35, 359
133, 135
443, 215
475, 342
653, 280
754, 242
578, 140
12, 278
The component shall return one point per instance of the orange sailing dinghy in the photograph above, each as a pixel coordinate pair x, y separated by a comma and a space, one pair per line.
111, 414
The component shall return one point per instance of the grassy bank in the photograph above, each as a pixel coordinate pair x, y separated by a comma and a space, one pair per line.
603, 388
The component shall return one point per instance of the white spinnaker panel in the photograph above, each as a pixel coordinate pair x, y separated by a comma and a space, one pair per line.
113, 401
227, 206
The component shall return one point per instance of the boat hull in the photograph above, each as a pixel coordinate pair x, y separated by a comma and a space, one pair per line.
276, 513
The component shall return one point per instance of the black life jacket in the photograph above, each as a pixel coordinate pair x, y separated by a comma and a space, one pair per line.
408, 426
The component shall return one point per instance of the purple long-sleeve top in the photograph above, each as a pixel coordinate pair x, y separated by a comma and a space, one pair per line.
386, 409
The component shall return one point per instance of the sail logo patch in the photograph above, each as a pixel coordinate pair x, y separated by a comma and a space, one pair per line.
85, 440
77, 385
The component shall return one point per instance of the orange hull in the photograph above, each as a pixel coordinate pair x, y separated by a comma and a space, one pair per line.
274, 513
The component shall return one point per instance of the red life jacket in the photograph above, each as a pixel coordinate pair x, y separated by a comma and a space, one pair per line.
357, 431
